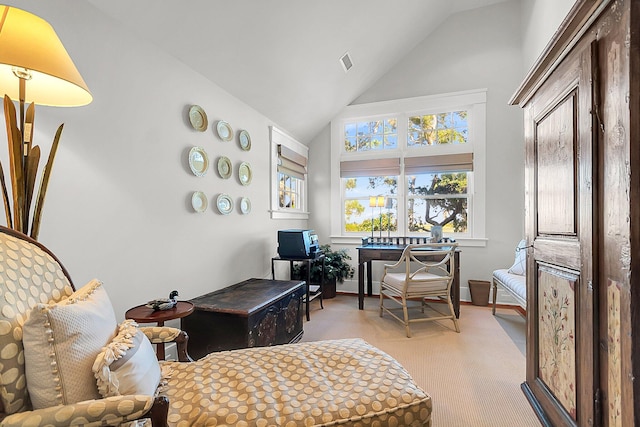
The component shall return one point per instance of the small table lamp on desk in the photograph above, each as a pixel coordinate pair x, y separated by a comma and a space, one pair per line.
144, 314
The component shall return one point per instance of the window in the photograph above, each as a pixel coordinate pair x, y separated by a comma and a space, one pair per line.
442, 128
289, 170
404, 166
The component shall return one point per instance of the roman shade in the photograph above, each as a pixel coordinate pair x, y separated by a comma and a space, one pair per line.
371, 167
291, 163
462, 162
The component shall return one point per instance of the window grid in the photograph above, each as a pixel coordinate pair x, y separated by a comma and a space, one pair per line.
289, 192
371, 135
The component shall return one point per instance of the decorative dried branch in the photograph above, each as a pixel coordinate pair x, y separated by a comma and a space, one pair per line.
15, 162
31, 169
46, 173
5, 198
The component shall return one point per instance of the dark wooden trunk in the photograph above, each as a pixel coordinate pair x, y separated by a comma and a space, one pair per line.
253, 313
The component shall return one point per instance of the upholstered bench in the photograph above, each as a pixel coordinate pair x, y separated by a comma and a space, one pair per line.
514, 279
514, 284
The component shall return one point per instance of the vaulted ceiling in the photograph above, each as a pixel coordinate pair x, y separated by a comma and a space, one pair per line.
282, 57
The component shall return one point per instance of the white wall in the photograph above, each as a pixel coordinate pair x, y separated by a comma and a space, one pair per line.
470, 50
540, 20
118, 201
118, 206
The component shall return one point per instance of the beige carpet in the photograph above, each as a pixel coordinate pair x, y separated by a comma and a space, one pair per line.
473, 377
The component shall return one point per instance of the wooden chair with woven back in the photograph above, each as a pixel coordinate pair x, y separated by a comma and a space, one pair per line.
412, 278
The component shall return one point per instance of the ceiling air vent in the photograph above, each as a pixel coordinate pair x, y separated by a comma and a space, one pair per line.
346, 62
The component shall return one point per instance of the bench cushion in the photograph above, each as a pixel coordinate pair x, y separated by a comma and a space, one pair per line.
335, 382
513, 282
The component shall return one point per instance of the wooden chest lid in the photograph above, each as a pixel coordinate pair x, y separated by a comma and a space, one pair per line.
246, 297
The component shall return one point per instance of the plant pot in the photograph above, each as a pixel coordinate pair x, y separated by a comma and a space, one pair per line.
329, 289
479, 290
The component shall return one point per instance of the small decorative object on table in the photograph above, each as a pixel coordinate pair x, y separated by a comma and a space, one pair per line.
436, 233
164, 303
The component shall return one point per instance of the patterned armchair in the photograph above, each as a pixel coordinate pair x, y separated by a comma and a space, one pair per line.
65, 361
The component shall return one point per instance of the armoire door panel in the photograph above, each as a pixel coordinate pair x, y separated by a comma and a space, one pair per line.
564, 252
560, 211
557, 334
555, 147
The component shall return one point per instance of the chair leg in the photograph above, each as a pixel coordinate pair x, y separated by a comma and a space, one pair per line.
495, 295
453, 315
406, 316
381, 301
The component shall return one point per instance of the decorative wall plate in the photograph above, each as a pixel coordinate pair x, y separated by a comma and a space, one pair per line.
224, 204
245, 140
225, 131
199, 201
224, 167
245, 205
198, 118
244, 173
198, 161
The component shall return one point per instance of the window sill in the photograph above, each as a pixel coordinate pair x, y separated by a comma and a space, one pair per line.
289, 215
477, 242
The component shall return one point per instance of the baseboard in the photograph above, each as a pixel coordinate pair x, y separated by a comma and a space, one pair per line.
517, 308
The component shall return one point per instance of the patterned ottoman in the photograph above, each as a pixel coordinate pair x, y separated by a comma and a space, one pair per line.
324, 383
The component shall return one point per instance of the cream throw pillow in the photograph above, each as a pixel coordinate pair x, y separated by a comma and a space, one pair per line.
62, 341
519, 266
128, 364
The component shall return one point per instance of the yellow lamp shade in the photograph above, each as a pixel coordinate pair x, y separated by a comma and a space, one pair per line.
372, 201
29, 44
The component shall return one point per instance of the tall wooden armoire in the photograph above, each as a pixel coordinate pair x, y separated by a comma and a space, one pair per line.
581, 104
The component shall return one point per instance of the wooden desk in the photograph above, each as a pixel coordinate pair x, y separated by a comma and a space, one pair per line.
144, 314
392, 252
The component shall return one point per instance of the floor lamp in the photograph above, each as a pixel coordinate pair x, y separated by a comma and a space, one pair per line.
35, 68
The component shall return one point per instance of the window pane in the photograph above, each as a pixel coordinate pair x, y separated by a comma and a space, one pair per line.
451, 213
359, 216
350, 143
433, 184
364, 142
350, 130
377, 127
362, 187
391, 141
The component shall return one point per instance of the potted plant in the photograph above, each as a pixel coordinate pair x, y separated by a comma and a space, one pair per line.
336, 269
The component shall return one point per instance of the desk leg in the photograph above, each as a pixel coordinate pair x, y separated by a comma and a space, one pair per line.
369, 278
360, 285
455, 292
308, 286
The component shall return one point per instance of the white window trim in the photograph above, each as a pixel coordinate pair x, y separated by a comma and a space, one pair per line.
278, 137
473, 100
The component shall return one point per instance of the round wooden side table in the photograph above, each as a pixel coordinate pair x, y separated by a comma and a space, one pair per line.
144, 314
